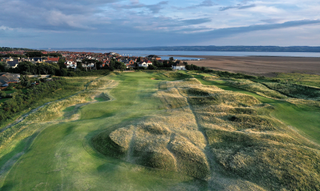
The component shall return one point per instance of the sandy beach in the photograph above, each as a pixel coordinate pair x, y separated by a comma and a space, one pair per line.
264, 65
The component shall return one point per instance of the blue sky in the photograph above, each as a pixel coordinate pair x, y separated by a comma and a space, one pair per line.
142, 23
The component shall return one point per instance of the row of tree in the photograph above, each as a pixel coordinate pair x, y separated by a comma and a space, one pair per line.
13, 49
40, 54
31, 55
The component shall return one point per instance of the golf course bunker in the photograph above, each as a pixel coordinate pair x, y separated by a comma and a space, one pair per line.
228, 139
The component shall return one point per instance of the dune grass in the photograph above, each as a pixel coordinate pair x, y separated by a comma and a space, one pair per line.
240, 141
303, 79
304, 117
255, 87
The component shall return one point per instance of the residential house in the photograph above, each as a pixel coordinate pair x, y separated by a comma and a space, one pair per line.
153, 57
178, 65
71, 64
145, 64
13, 64
37, 59
8, 59
54, 59
6, 78
131, 64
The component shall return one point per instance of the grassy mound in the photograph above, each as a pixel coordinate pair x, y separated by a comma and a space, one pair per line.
155, 145
295, 90
255, 87
102, 97
176, 75
221, 137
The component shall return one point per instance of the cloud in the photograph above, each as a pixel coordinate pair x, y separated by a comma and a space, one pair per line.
239, 6
197, 21
205, 3
5, 28
271, 20
196, 37
154, 8
158, 22
218, 33
56, 15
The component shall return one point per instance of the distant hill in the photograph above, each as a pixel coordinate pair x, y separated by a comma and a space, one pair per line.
231, 48
12, 49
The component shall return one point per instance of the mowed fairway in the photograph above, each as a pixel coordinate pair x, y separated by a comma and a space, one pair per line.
61, 157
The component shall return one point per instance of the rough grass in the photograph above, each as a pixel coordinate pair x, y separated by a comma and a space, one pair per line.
295, 90
167, 142
167, 139
255, 87
268, 163
238, 134
55, 109
303, 79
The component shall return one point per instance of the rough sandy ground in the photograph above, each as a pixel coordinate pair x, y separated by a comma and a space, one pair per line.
266, 66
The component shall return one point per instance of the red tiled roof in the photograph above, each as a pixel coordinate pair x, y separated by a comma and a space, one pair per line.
53, 59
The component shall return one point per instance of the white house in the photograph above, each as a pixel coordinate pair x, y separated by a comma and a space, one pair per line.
145, 64
179, 66
71, 64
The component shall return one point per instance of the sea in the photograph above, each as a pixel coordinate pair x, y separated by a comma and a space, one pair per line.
167, 54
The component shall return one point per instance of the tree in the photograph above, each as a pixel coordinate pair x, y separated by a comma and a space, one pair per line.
112, 65
10, 87
34, 54
99, 65
79, 66
88, 61
3, 67
165, 64
120, 65
55, 55
3, 94
62, 72
152, 67
61, 63
24, 79
25, 67
155, 62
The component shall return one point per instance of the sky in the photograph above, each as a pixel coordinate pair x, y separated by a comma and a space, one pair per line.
146, 23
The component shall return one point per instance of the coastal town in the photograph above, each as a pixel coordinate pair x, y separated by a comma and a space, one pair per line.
74, 61
87, 59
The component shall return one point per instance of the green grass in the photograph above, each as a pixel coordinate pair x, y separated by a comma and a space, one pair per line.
62, 158
304, 118
59, 155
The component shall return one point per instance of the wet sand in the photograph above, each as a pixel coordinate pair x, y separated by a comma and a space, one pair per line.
259, 65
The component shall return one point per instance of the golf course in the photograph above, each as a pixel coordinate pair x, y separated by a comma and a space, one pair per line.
169, 130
